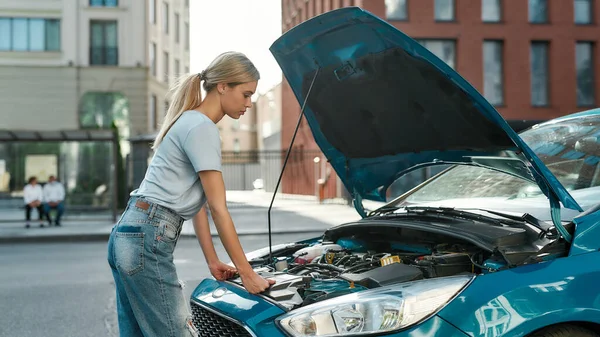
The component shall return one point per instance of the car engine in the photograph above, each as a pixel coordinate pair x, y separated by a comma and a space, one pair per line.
326, 270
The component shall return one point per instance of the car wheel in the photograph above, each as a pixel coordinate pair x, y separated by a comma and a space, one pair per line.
564, 331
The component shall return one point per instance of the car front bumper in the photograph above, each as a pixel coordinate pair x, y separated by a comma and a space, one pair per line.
224, 309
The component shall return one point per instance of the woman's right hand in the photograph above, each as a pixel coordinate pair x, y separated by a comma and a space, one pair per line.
254, 283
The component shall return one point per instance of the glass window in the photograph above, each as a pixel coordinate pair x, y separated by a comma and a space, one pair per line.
176, 28
443, 49
153, 59
103, 3
53, 34
166, 66
493, 83
583, 11
153, 112
152, 11
19, 34
5, 34
29, 34
103, 43
568, 148
444, 10
491, 10
165, 18
539, 73
585, 73
37, 38
186, 36
176, 68
396, 10
538, 11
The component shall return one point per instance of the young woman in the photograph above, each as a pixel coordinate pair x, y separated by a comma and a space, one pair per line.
184, 175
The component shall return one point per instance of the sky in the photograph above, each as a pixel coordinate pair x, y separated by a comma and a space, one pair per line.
247, 26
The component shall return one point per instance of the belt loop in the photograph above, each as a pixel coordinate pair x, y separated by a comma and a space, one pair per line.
152, 211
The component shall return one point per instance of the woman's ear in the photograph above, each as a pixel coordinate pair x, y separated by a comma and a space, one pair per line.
221, 88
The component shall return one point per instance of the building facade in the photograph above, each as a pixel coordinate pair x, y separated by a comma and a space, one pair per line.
532, 59
86, 65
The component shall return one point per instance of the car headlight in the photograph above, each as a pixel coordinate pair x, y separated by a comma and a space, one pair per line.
376, 310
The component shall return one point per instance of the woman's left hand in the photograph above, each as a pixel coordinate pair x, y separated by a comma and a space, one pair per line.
221, 271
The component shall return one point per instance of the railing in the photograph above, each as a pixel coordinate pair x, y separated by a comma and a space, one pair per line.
104, 56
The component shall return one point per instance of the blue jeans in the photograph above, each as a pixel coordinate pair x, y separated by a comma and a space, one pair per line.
150, 300
60, 209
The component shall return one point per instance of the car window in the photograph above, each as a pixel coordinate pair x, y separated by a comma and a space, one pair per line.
569, 148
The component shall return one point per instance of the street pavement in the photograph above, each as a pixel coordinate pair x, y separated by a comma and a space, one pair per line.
249, 210
61, 289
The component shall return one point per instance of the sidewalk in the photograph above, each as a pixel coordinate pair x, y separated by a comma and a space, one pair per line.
290, 214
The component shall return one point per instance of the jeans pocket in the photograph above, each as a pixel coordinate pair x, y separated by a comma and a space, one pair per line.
129, 252
168, 232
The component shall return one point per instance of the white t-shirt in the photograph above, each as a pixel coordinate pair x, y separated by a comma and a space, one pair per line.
191, 145
54, 192
32, 193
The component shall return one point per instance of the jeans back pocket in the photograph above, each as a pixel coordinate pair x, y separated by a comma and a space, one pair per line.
129, 252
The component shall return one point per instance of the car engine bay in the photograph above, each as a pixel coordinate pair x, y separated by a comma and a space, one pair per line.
358, 257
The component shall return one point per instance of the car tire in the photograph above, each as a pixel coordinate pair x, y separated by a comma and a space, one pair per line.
564, 331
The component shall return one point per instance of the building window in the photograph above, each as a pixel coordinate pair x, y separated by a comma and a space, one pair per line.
538, 11
28, 34
165, 18
493, 81
491, 10
153, 112
187, 70
396, 10
444, 10
443, 49
186, 36
152, 11
176, 66
176, 28
585, 73
583, 12
104, 3
187, 3
153, 59
103, 43
539, 73
236, 146
166, 66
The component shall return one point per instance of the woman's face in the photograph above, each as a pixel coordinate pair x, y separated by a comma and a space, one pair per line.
235, 100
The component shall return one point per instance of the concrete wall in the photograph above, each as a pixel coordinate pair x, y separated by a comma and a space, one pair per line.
38, 98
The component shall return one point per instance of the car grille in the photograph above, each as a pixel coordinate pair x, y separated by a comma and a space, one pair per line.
210, 324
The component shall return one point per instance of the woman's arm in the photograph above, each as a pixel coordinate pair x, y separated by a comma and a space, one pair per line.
214, 187
218, 269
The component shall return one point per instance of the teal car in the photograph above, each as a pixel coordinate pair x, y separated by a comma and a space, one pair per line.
503, 241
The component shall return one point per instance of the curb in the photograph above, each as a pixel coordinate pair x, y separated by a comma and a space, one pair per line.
72, 238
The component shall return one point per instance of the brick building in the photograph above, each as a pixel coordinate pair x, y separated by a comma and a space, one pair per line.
532, 59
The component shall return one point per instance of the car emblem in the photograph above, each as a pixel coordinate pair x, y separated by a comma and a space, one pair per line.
219, 292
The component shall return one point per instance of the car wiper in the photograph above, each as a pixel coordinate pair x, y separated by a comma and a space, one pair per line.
526, 217
455, 213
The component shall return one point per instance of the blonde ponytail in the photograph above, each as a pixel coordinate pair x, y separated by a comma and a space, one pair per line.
186, 95
232, 68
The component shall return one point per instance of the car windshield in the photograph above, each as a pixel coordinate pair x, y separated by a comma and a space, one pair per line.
569, 148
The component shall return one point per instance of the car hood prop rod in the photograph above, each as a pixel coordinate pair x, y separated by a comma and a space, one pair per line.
287, 156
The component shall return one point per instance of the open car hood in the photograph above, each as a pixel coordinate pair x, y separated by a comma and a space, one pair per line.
382, 105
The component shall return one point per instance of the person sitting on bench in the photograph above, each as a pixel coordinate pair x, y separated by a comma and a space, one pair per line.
54, 194
33, 196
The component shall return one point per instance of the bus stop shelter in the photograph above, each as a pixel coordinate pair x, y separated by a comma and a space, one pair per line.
77, 136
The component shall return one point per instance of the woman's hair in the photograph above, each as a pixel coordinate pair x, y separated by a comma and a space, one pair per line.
232, 68
31, 179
